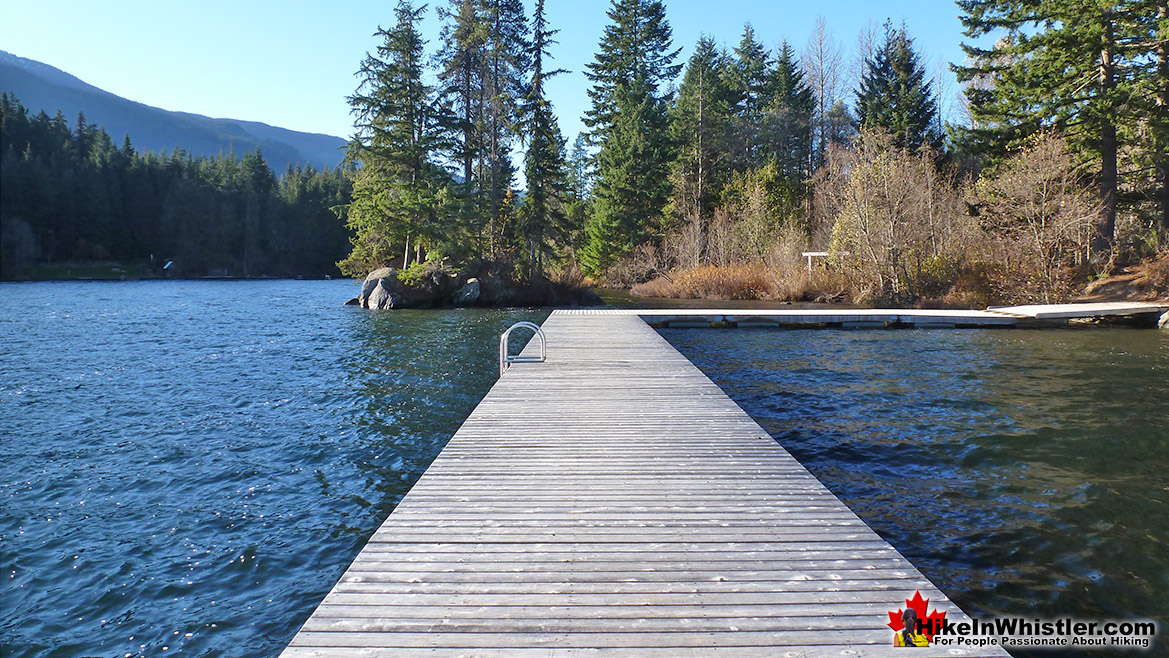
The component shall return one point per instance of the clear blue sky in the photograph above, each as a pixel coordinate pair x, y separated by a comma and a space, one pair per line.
291, 63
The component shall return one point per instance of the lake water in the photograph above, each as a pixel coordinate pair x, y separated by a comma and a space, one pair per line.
188, 467
1025, 472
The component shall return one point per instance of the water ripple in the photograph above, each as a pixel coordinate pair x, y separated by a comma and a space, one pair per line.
1022, 471
189, 466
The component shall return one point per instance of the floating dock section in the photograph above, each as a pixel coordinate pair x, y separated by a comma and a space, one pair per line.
613, 501
1146, 314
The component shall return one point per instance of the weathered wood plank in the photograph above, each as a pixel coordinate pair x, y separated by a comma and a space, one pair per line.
832, 651
614, 502
624, 592
590, 624
632, 640
821, 598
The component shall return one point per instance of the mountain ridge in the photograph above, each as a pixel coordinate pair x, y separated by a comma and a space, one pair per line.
42, 87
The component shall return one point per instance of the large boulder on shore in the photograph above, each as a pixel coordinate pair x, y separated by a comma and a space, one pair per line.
382, 298
379, 288
482, 285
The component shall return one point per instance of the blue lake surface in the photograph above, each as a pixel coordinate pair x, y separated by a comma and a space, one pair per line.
188, 467
1025, 472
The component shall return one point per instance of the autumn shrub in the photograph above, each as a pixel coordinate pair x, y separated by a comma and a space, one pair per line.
747, 281
662, 286
568, 274
1038, 212
897, 221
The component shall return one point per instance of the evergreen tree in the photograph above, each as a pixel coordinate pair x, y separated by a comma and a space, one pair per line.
399, 125
628, 122
483, 66
543, 213
839, 124
894, 96
507, 55
750, 71
580, 169
1147, 47
1157, 77
256, 185
788, 118
700, 122
462, 66
1075, 66
578, 190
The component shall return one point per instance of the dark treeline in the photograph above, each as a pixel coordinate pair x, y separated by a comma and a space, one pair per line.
70, 195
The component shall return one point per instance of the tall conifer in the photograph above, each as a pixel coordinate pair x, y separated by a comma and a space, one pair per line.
462, 67
700, 121
543, 213
507, 65
399, 125
1075, 66
894, 95
788, 117
750, 70
628, 122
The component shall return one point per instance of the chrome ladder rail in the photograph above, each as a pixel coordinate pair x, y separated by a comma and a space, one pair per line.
506, 359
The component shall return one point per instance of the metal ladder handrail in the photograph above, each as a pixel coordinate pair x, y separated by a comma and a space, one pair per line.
506, 359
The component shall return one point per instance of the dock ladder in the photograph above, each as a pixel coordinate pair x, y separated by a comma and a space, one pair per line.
506, 359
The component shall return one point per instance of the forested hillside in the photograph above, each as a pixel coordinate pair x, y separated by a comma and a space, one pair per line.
41, 87
69, 195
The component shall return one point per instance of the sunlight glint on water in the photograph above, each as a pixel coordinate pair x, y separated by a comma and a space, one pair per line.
190, 466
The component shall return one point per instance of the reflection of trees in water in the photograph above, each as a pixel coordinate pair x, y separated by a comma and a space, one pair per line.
413, 377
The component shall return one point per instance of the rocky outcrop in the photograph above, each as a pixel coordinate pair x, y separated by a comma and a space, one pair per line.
381, 297
378, 287
468, 295
482, 285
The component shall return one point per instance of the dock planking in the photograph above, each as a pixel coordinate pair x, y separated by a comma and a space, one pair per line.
613, 501
1030, 316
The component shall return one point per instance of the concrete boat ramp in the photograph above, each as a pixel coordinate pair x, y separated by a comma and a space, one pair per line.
613, 501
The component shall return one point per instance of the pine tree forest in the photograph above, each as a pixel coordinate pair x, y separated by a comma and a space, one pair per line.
704, 174
76, 205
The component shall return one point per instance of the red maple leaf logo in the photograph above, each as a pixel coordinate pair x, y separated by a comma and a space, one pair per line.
929, 623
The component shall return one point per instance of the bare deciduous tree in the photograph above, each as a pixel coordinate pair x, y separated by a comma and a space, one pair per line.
1039, 205
866, 44
897, 217
822, 61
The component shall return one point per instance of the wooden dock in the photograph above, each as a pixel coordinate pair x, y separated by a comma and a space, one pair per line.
614, 502
1037, 315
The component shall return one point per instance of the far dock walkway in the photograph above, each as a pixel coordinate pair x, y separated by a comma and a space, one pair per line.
1036, 315
614, 502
